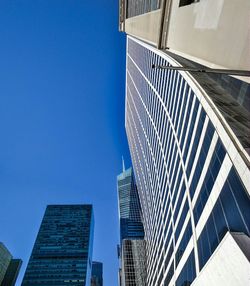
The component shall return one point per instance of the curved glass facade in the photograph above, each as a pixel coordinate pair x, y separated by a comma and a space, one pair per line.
191, 173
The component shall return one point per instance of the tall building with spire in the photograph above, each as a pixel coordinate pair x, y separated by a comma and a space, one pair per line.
129, 206
132, 244
62, 253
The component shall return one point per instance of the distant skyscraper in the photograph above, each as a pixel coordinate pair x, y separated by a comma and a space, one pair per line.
9, 268
129, 206
5, 258
62, 254
133, 272
96, 275
12, 272
132, 245
190, 155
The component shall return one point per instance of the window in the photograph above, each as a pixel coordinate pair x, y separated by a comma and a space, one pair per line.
187, 2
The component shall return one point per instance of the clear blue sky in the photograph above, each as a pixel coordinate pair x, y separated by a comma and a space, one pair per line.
62, 73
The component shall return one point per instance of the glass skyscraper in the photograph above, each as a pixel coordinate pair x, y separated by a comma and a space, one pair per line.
133, 262
62, 253
9, 267
12, 272
5, 258
129, 206
132, 244
96, 274
191, 166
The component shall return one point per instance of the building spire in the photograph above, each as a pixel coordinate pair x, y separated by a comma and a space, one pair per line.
123, 165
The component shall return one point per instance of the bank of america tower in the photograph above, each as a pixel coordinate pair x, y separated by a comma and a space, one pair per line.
188, 134
132, 244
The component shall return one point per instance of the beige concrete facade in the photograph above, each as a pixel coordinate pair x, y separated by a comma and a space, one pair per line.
215, 33
145, 26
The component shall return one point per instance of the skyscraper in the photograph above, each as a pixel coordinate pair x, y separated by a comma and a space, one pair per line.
133, 262
5, 258
190, 153
96, 274
12, 272
129, 206
132, 244
9, 267
62, 253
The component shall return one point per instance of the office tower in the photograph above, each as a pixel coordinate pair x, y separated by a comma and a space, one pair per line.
96, 274
189, 143
5, 258
129, 206
206, 32
62, 253
133, 262
132, 245
12, 272
9, 267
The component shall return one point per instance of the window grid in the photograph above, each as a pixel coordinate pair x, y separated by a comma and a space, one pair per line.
169, 136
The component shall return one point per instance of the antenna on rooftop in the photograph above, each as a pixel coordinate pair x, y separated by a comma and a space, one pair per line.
123, 164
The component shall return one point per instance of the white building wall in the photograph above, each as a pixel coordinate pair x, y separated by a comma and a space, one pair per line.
228, 266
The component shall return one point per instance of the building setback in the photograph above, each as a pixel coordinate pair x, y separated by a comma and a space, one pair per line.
201, 31
62, 253
97, 274
192, 173
132, 244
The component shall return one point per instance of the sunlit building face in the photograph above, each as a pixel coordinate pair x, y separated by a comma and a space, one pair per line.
191, 170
